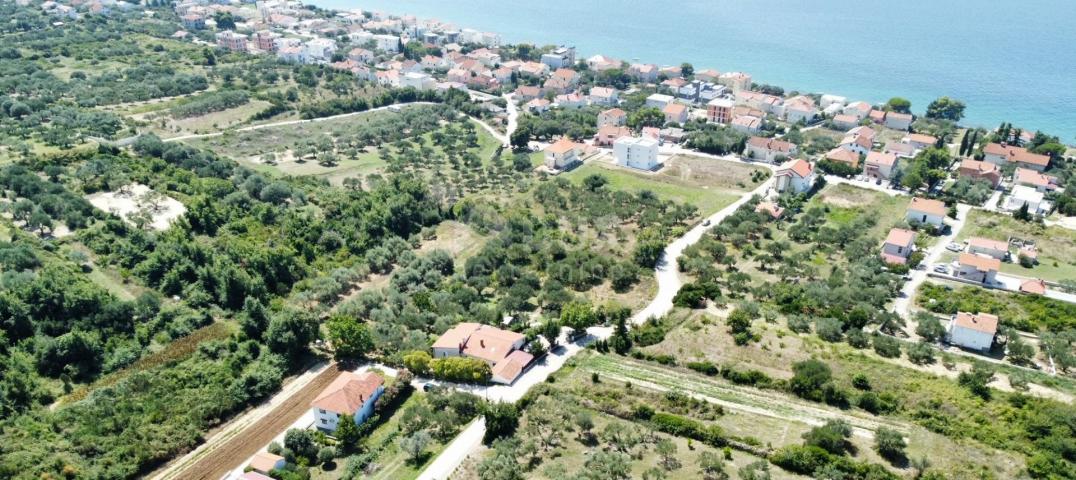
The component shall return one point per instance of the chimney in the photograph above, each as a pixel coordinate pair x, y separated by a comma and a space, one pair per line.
482, 342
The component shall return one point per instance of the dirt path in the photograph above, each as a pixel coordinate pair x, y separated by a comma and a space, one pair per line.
247, 435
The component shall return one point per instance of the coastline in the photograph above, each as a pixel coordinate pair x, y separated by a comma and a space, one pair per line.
859, 74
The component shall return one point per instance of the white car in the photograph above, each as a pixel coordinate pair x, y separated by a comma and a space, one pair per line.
940, 268
706, 223
955, 247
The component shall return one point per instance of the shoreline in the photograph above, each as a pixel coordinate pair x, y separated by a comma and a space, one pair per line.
1001, 107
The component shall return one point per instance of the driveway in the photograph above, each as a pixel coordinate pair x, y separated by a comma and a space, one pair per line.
902, 305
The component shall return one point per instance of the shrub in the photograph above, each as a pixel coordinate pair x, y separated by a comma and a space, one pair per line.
921, 353
688, 428
705, 368
889, 443
885, 346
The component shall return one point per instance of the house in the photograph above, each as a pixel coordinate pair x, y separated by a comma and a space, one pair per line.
570, 101
991, 248
644, 72
538, 106
920, 141
265, 462
671, 71
659, 101
977, 170
193, 21
770, 208
560, 57
350, 394
1033, 287
859, 140
1001, 154
604, 96
614, 117
719, 110
418, 81
526, 93
1022, 195
769, 150
761, 101
926, 211
652, 132
901, 150
387, 43
876, 116
898, 121
672, 135
880, 165
1030, 178
972, 331
846, 157
978, 268
898, 246
828, 100
796, 176
708, 75
737, 81
491, 345
561, 154
800, 108
860, 110
845, 122
318, 50
636, 152
675, 113
608, 134
230, 40
363, 55
747, 124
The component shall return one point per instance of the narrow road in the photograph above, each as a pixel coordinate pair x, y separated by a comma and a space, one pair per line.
247, 434
902, 305
456, 452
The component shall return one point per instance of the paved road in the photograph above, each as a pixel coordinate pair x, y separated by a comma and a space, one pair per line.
456, 452
902, 305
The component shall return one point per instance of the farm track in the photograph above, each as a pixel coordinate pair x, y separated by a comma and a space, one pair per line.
244, 437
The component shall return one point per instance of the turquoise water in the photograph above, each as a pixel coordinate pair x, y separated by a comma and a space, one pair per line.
1008, 61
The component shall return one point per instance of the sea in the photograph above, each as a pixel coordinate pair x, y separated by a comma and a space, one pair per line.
1008, 61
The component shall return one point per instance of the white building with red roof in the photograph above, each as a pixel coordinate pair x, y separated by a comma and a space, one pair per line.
1037, 180
1001, 154
992, 248
898, 246
498, 348
978, 268
972, 331
926, 211
880, 165
350, 394
769, 150
797, 176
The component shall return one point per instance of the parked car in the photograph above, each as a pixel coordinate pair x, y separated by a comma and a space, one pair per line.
706, 223
939, 268
955, 247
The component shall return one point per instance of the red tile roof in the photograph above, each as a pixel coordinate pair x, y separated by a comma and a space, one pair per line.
560, 146
883, 159
1034, 287
980, 262
926, 205
983, 322
989, 244
348, 392
799, 166
900, 237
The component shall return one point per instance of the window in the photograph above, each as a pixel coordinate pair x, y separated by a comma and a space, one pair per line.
324, 421
321, 411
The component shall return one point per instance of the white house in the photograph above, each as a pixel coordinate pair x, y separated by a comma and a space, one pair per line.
1000, 154
972, 331
614, 116
350, 394
796, 176
387, 43
498, 348
991, 248
859, 140
418, 81
636, 152
659, 101
561, 154
898, 246
560, 57
800, 109
978, 268
318, 50
828, 100
769, 150
880, 165
898, 121
604, 96
747, 124
926, 211
1023, 195
1039, 181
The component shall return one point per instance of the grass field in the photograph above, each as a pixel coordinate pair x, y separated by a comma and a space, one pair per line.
1056, 245
847, 202
708, 184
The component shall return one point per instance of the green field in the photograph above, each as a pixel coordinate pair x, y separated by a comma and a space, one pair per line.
1056, 245
708, 200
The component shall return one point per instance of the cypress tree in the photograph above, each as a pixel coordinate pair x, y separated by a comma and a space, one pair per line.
964, 143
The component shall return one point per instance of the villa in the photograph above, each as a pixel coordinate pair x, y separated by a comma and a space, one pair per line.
561, 154
796, 175
1033, 179
1001, 154
613, 117
978, 268
769, 150
842, 156
898, 246
880, 165
350, 394
1022, 195
498, 348
675, 113
926, 211
977, 170
972, 331
991, 248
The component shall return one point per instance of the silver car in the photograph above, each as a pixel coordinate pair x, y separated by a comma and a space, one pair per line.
941, 269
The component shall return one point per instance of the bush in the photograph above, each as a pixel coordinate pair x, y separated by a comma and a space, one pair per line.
921, 353
886, 346
460, 369
706, 368
803, 460
831, 437
688, 428
808, 378
889, 443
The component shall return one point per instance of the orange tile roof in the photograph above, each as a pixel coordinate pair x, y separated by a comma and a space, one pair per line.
675, 109
921, 138
771, 208
979, 168
561, 146
512, 366
771, 144
883, 159
254, 476
980, 262
900, 237
1031, 177
987, 243
926, 205
983, 322
615, 112
264, 461
893, 259
1034, 286
348, 392
799, 166
845, 119
844, 156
